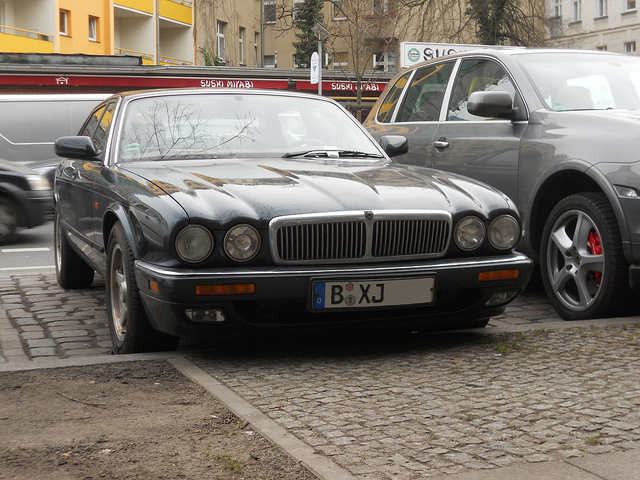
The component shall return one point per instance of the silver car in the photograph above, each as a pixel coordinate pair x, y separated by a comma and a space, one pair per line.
557, 131
29, 124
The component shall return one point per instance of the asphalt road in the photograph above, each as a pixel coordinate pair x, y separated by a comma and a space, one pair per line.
31, 250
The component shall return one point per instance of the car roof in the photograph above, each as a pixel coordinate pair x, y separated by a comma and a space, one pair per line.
517, 51
129, 95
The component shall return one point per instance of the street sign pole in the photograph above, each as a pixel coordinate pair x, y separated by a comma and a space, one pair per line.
322, 34
319, 66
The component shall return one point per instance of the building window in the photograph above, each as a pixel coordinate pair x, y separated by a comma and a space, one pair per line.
338, 12
576, 10
270, 11
296, 8
64, 22
241, 35
383, 7
340, 61
556, 9
602, 47
630, 47
93, 29
602, 8
256, 41
384, 61
222, 27
630, 5
269, 61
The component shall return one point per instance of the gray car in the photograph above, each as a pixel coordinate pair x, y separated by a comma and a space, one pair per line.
557, 131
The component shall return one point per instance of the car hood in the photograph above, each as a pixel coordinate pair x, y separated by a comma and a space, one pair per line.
15, 169
262, 189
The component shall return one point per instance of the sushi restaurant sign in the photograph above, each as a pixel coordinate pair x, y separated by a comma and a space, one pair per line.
416, 52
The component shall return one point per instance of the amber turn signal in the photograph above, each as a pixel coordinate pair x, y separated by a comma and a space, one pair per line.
234, 289
499, 275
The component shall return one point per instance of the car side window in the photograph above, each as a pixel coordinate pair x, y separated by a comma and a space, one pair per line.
476, 75
424, 97
98, 124
102, 129
386, 108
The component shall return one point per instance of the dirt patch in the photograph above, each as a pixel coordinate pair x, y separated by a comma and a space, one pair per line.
139, 420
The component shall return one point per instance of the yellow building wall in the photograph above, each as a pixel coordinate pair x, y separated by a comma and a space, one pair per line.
77, 39
141, 5
176, 11
14, 43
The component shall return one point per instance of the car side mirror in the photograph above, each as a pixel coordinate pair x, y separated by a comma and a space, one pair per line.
75, 147
490, 104
394, 145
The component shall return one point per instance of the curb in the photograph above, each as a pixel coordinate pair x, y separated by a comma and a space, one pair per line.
320, 465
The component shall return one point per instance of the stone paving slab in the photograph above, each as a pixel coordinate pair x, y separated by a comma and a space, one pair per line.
52, 322
441, 405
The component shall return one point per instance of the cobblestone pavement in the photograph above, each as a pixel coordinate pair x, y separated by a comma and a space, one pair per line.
53, 323
445, 404
526, 389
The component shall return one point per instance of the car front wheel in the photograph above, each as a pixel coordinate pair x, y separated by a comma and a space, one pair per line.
8, 220
583, 267
131, 331
71, 270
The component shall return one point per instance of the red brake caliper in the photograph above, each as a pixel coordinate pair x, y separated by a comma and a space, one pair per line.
596, 249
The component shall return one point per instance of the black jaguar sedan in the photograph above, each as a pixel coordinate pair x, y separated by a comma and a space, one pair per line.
211, 212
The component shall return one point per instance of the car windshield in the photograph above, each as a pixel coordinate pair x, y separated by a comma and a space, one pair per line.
188, 126
585, 81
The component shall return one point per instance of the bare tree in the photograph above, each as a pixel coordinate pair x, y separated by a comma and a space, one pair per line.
488, 22
438, 21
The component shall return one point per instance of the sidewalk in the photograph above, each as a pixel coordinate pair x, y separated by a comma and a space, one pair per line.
529, 397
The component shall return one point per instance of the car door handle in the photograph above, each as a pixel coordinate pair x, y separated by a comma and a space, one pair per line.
441, 144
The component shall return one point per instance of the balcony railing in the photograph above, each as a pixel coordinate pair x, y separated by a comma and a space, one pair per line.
146, 57
186, 3
19, 32
173, 61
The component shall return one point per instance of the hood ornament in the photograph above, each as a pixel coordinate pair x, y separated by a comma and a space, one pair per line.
368, 214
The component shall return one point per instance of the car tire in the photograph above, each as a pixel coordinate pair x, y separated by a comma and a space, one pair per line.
584, 270
8, 220
71, 270
129, 326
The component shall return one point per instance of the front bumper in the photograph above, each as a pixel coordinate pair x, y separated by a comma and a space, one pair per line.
283, 294
36, 206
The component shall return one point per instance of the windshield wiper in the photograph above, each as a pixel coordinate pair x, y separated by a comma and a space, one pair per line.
356, 153
316, 152
331, 153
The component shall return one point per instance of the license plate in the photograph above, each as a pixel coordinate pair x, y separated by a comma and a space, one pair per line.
374, 293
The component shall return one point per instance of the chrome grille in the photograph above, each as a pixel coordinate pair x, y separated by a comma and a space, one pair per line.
392, 238
353, 237
321, 241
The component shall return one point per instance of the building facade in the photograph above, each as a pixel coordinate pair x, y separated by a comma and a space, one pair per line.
596, 24
161, 32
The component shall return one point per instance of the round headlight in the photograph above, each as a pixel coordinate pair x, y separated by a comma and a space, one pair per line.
504, 232
469, 233
194, 243
242, 243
